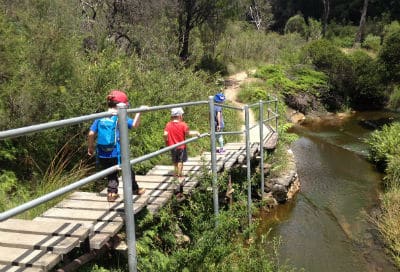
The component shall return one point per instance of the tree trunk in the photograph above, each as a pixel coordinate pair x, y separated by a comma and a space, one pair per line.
184, 53
360, 32
185, 28
325, 16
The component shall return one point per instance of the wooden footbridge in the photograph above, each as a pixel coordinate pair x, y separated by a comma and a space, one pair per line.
87, 221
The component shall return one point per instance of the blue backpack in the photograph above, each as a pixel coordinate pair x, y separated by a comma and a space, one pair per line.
107, 133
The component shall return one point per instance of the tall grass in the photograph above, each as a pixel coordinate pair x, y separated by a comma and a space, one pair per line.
388, 221
243, 47
384, 149
59, 173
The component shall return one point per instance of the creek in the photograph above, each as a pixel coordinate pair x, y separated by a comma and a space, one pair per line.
327, 226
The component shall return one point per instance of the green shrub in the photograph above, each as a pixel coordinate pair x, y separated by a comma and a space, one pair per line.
394, 26
337, 66
394, 98
297, 24
314, 31
242, 47
345, 42
372, 42
369, 91
393, 171
341, 35
384, 144
213, 65
300, 85
390, 54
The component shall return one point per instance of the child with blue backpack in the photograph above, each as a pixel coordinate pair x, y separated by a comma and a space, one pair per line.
219, 98
107, 147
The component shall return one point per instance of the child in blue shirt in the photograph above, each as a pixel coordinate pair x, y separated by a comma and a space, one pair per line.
219, 121
108, 158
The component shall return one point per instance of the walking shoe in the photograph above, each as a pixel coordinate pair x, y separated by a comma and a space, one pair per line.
220, 151
139, 191
111, 197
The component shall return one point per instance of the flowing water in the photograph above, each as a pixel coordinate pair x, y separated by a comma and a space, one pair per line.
326, 228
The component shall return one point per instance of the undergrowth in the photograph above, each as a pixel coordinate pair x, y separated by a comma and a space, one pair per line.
185, 236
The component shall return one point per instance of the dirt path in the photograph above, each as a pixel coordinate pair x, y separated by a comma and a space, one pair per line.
233, 84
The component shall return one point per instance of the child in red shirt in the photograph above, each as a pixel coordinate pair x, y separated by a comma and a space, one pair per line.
176, 131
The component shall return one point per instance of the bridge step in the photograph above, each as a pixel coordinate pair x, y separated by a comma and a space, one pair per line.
23, 257
51, 228
32, 239
56, 244
10, 268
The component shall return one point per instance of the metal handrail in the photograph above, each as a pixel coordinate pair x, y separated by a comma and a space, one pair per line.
126, 162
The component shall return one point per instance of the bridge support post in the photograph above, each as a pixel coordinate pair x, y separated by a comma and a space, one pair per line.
247, 133
213, 158
261, 125
126, 178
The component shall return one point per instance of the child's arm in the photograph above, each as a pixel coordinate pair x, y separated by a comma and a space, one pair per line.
193, 133
91, 136
136, 119
219, 117
165, 137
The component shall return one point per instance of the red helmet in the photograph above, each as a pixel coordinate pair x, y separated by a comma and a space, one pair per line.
118, 96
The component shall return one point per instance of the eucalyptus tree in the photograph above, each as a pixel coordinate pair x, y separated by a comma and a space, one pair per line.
325, 15
361, 27
195, 13
260, 13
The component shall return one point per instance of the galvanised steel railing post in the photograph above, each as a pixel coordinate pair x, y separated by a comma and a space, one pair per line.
262, 146
213, 156
268, 110
247, 132
127, 183
276, 115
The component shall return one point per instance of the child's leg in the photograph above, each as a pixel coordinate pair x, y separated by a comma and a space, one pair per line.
112, 178
221, 141
182, 158
135, 185
176, 169
179, 169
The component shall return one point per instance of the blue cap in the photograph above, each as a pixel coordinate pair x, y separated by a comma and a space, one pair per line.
219, 98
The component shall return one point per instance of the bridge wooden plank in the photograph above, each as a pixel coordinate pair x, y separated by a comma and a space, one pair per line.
28, 257
49, 228
227, 160
111, 228
11, 268
88, 215
102, 197
56, 244
153, 178
188, 168
99, 205
201, 164
168, 172
158, 201
189, 186
98, 240
271, 141
235, 145
150, 191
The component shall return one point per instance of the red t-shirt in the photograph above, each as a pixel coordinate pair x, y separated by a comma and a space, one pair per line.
176, 132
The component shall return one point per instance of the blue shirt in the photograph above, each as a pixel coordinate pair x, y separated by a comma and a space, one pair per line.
217, 109
114, 153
